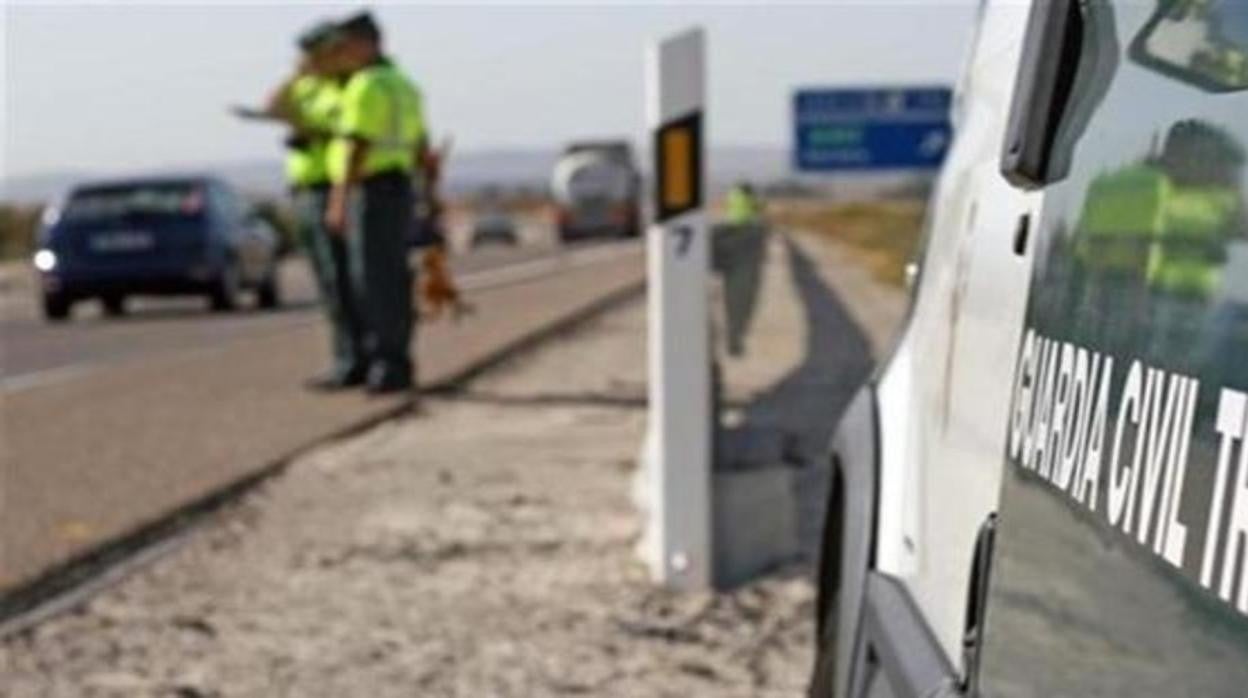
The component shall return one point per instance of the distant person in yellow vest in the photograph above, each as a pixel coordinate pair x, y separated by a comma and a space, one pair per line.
742, 206
738, 251
380, 141
309, 102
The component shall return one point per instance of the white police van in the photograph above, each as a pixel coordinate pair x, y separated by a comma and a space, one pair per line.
1044, 490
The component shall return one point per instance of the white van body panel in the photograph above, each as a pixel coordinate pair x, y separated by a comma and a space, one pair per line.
944, 395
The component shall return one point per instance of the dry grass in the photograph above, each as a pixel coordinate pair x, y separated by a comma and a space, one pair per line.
883, 234
18, 227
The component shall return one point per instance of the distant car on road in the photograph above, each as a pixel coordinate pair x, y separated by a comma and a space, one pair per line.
157, 236
596, 186
494, 226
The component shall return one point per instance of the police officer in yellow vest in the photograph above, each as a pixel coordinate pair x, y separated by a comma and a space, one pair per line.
309, 102
738, 249
378, 145
741, 206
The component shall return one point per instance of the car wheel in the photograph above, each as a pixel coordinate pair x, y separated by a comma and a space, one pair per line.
827, 608
224, 294
114, 305
268, 293
56, 307
845, 555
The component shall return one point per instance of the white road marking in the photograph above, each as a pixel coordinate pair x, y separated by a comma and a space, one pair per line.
26, 381
532, 269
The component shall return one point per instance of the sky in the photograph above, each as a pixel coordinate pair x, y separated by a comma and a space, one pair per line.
99, 88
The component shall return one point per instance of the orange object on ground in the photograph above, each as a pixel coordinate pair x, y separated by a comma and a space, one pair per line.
437, 288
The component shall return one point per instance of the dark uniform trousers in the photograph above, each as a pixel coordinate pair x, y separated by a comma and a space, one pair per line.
380, 219
329, 259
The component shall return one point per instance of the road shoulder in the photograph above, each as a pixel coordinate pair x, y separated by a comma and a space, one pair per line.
485, 548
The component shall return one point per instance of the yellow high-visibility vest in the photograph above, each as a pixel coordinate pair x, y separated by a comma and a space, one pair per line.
381, 106
315, 103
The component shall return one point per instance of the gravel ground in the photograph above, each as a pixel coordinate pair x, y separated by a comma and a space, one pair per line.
483, 548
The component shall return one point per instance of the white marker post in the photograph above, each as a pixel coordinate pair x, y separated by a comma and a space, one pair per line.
677, 456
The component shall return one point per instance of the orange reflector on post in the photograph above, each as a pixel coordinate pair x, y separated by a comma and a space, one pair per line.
679, 176
677, 168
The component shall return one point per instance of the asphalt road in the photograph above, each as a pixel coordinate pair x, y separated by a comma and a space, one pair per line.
107, 425
34, 351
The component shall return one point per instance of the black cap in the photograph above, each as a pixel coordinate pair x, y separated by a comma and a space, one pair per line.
318, 36
361, 25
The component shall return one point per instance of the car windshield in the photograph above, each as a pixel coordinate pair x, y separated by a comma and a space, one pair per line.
160, 200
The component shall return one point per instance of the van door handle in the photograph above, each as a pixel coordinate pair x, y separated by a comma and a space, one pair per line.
1022, 231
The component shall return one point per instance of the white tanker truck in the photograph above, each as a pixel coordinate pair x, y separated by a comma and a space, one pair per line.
596, 188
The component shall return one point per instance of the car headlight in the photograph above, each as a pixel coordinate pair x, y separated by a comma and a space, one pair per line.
45, 260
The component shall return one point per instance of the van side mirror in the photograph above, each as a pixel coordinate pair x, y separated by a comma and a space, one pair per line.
1069, 56
1045, 76
1204, 44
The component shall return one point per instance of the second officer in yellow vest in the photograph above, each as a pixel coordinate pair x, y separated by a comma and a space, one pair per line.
378, 146
310, 104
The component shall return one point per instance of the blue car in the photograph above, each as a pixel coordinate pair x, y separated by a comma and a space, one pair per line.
166, 236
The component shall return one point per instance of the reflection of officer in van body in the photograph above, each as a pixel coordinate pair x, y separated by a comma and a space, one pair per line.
1223, 58
1121, 215
1152, 238
1203, 212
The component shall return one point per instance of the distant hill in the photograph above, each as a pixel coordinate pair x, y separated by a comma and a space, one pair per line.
468, 172
35, 188
261, 177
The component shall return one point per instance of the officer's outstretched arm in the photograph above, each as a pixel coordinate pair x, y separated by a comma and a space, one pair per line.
278, 107
280, 104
